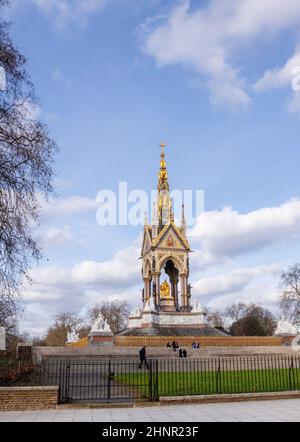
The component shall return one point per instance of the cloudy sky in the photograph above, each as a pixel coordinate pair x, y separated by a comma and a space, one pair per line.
216, 80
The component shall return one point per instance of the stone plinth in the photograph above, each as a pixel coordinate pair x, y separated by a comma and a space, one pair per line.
167, 319
98, 338
166, 316
101, 333
167, 305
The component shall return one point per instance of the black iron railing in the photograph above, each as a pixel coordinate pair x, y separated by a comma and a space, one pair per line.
122, 380
228, 375
89, 380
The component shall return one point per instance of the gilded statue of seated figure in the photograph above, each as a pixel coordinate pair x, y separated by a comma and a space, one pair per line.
165, 291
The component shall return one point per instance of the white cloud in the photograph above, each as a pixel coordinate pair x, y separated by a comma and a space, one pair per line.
121, 270
69, 206
284, 76
231, 282
266, 296
209, 38
66, 12
56, 289
279, 76
227, 233
53, 282
55, 236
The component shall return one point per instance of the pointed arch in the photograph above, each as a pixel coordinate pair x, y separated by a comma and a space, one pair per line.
176, 261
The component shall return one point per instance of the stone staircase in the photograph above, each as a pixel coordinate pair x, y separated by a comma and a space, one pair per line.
67, 353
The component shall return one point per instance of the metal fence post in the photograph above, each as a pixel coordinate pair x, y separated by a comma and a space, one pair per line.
290, 373
108, 382
64, 380
68, 371
150, 396
61, 394
218, 377
156, 397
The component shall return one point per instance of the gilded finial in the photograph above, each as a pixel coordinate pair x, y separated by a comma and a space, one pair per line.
162, 145
163, 174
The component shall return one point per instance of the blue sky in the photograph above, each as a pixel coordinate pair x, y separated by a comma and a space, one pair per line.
213, 79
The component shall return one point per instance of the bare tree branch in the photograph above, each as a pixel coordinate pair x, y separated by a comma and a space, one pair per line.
26, 172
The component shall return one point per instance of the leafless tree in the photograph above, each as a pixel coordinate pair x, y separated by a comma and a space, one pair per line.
26, 171
290, 293
63, 324
214, 318
256, 321
115, 313
236, 311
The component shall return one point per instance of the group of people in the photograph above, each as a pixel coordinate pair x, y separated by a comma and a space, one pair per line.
182, 351
174, 345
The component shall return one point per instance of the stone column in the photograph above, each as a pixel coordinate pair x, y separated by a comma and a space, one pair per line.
174, 291
147, 290
149, 287
156, 276
186, 293
182, 291
188, 287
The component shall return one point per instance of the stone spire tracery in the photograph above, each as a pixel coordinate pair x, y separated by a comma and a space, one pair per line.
165, 251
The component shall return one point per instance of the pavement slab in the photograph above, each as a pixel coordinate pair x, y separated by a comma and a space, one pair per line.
260, 411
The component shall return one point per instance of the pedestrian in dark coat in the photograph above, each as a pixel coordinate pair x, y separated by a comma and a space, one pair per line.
143, 358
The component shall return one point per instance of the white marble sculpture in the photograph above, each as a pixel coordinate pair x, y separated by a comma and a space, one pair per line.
72, 337
2, 339
284, 327
135, 312
100, 325
197, 308
149, 306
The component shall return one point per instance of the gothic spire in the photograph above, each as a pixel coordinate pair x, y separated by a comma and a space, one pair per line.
163, 174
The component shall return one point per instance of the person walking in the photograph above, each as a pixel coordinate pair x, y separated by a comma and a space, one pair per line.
143, 358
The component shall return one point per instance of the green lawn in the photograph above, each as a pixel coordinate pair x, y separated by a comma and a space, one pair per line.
212, 382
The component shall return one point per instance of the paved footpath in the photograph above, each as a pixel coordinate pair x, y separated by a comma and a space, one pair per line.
268, 411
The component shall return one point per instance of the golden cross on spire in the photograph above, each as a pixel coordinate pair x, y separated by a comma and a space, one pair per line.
162, 145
